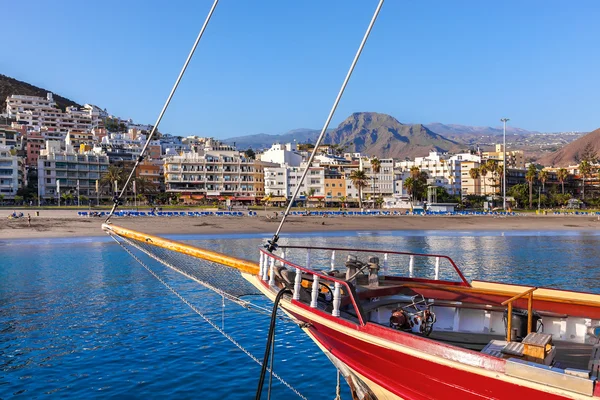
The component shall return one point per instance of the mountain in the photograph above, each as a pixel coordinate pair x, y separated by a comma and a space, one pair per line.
449, 130
384, 136
10, 86
263, 140
569, 154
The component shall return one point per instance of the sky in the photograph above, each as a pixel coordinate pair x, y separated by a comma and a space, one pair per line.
269, 66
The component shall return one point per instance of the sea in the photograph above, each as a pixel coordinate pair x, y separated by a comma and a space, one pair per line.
80, 318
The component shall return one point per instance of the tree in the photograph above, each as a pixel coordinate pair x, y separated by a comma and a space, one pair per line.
483, 171
359, 180
519, 193
1, 199
18, 199
530, 178
475, 174
585, 169
562, 175
83, 199
250, 154
376, 166
543, 177
113, 174
499, 173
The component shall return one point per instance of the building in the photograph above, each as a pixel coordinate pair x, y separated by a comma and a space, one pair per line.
381, 184
444, 170
38, 112
65, 171
218, 171
11, 173
282, 154
9, 137
283, 181
33, 147
515, 159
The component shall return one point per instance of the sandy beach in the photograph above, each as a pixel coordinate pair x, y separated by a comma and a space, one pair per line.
66, 223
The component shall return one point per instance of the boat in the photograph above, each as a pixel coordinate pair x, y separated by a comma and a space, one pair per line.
395, 333
401, 325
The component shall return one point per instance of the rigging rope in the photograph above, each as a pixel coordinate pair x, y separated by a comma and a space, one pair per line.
118, 197
208, 320
272, 244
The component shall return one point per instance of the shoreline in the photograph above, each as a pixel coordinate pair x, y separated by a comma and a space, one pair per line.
66, 223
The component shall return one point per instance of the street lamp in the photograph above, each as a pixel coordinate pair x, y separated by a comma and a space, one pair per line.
504, 120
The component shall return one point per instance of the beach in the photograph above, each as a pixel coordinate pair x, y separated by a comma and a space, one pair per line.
66, 223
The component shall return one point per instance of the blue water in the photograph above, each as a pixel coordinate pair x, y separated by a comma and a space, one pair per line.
79, 318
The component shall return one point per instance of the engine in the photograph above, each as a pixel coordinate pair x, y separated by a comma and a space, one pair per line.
415, 317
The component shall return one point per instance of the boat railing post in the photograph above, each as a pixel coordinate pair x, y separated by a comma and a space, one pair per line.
411, 266
282, 258
272, 273
297, 284
385, 263
332, 260
337, 300
437, 268
260, 264
307, 258
265, 272
529, 312
315, 292
509, 322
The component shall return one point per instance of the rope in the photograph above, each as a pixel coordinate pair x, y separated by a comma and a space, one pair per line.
272, 244
205, 318
118, 197
338, 395
270, 342
246, 304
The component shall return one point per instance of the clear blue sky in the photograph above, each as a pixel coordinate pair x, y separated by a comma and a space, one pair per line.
274, 65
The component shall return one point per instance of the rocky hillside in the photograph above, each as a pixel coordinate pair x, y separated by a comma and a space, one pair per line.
382, 135
571, 153
10, 86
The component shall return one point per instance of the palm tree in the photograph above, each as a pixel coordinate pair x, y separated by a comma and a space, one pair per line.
585, 169
562, 175
483, 171
490, 165
530, 178
267, 199
410, 185
359, 180
113, 174
376, 166
475, 174
500, 173
543, 177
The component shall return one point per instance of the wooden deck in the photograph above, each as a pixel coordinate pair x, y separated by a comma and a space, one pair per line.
568, 354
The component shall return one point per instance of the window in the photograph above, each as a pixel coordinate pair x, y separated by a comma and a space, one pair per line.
48, 180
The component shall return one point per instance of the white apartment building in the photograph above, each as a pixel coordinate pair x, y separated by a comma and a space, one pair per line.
38, 112
219, 170
282, 154
283, 181
442, 169
381, 183
77, 173
11, 173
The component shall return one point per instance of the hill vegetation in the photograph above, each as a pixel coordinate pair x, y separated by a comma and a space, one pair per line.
10, 86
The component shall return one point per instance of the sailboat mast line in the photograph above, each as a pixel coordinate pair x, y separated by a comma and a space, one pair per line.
273, 243
164, 109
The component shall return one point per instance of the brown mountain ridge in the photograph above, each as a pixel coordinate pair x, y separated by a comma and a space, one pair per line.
384, 136
570, 154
